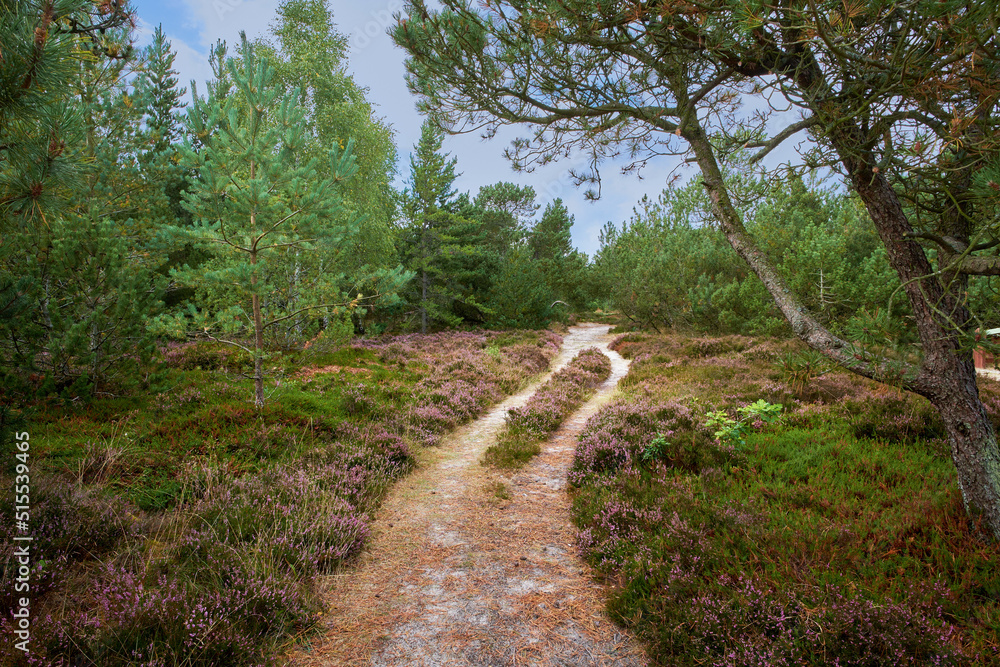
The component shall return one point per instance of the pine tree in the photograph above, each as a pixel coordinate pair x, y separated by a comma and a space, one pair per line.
158, 94
550, 239
519, 296
552, 248
505, 210
158, 98
426, 203
258, 201
94, 298
496, 225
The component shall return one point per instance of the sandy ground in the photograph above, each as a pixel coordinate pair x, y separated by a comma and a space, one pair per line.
463, 571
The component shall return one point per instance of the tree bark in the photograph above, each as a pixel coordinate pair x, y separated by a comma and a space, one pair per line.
258, 328
973, 442
948, 375
423, 282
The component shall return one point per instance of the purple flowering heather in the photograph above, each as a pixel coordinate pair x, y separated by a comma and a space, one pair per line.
564, 392
737, 558
233, 571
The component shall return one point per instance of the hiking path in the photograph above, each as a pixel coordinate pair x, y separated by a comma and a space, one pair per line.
469, 566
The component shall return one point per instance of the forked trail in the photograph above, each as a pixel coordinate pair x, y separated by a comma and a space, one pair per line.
457, 575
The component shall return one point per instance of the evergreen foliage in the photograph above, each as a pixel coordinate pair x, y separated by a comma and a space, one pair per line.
670, 267
260, 204
90, 304
44, 43
74, 268
505, 211
564, 268
519, 297
157, 89
428, 241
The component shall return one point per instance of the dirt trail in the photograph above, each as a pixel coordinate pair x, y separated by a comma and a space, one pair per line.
455, 574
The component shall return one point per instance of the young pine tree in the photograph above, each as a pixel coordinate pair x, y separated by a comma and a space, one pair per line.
258, 202
552, 249
427, 240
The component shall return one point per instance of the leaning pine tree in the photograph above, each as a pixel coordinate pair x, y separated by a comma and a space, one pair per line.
258, 203
901, 98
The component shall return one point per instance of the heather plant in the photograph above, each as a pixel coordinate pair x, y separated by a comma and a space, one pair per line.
234, 618
892, 415
832, 537
310, 518
69, 525
744, 622
198, 539
526, 427
713, 347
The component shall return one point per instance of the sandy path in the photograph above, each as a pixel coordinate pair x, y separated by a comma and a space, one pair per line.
457, 575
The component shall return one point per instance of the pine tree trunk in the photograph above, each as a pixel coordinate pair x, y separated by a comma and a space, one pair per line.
423, 276
299, 322
423, 301
258, 351
947, 376
973, 443
95, 351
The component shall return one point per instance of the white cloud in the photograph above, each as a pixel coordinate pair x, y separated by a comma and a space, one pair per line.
191, 64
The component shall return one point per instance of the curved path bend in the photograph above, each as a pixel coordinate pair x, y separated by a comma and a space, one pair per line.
466, 566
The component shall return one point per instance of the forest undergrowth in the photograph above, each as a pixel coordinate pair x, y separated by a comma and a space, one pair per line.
834, 536
177, 524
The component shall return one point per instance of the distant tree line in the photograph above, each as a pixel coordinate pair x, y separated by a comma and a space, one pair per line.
671, 267
262, 213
